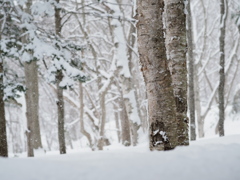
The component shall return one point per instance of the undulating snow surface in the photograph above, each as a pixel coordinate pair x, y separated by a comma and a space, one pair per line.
209, 159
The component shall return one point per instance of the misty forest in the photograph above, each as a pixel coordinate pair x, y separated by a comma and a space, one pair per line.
119, 89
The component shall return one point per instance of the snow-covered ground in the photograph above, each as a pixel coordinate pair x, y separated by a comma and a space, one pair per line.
207, 159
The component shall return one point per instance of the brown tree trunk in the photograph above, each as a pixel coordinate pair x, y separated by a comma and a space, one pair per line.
3, 132
176, 50
152, 52
223, 10
191, 73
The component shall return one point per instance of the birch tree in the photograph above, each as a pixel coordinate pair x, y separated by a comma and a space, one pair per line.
152, 52
191, 72
176, 51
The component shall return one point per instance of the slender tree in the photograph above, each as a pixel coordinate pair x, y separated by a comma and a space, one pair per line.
191, 73
176, 51
223, 12
152, 52
59, 77
3, 133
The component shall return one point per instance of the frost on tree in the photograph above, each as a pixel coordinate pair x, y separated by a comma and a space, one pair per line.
152, 52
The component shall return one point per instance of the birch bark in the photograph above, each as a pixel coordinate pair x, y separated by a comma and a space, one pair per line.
176, 46
152, 52
191, 73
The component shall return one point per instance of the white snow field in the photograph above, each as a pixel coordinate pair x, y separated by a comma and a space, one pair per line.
208, 159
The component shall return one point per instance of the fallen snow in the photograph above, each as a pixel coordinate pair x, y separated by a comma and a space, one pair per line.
207, 159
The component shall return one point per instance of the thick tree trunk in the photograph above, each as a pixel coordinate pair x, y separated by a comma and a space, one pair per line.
32, 96
191, 73
152, 51
222, 67
176, 50
60, 110
32, 102
3, 132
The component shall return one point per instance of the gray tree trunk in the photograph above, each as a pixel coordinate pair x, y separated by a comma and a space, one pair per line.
200, 118
152, 52
60, 112
32, 102
176, 46
60, 100
125, 124
3, 132
103, 121
116, 115
82, 128
124, 103
223, 10
32, 97
191, 73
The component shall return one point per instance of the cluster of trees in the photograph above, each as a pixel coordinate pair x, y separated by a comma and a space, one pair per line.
162, 37
75, 62
69, 70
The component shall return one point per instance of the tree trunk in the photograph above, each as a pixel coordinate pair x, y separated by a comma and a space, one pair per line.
60, 110
223, 10
152, 52
117, 122
103, 121
123, 59
82, 129
200, 118
3, 132
125, 124
191, 73
176, 50
32, 102
32, 96
60, 100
